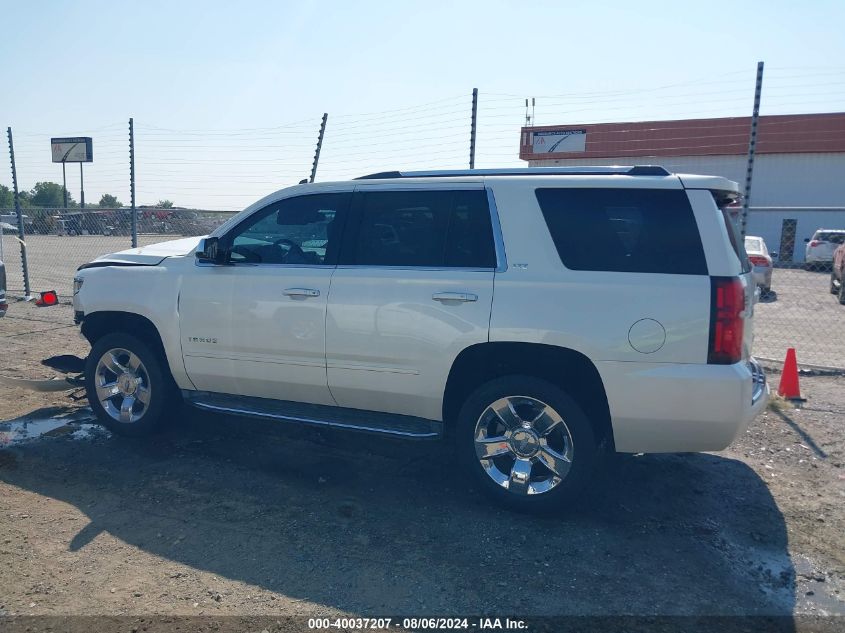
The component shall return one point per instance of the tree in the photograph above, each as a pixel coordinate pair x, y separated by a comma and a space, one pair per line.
108, 201
7, 198
49, 194
164, 204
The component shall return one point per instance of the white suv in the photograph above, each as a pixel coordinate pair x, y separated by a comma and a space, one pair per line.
474, 304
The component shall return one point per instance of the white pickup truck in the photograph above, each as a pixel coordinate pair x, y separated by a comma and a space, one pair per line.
534, 316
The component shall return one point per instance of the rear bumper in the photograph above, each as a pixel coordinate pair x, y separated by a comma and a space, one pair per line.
815, 257
667, 407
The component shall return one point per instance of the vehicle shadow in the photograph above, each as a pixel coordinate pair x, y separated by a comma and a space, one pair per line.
374, 526
768, 297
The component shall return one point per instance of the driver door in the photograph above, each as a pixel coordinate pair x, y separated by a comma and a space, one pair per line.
280, 264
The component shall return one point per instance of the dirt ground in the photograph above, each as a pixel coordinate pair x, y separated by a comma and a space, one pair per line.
222, 515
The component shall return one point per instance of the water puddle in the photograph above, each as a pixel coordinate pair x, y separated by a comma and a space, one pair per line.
47, 423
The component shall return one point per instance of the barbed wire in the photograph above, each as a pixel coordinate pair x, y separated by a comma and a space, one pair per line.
199, 167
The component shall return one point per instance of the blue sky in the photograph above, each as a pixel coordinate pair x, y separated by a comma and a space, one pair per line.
227, 96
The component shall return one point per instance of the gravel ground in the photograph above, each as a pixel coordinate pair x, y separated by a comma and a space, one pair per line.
227, 516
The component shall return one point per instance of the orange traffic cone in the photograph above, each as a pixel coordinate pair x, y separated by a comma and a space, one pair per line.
788, 387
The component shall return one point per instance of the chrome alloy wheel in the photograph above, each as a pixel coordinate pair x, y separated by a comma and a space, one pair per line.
123, 385
523, 445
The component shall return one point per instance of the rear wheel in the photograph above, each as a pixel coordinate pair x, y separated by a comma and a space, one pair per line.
128, 385
527, 444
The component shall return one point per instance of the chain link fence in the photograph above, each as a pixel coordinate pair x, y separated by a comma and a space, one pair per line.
228, 168
799, 304
60, 240
791, 251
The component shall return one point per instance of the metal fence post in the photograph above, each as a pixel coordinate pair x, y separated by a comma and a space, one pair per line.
473, 128
752, 145
134, 210
319, 147
24, 266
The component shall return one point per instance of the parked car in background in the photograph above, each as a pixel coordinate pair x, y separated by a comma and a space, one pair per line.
837, 274
761, 260
821, 246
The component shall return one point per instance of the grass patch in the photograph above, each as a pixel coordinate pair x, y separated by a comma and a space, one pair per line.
779, 403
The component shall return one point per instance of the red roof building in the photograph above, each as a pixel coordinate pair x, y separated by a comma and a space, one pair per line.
798, 181
778, 134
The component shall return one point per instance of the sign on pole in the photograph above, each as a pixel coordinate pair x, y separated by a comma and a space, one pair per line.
75, 149
559, 141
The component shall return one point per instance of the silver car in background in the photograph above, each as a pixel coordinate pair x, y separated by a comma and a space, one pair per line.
819, 249
761, 260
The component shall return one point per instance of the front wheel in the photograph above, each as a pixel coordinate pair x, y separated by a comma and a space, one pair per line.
527, 443
128, 385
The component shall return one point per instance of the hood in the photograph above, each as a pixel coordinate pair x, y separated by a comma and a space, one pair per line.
149, 255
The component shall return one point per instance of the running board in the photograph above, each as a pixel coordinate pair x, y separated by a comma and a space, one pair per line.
395, 425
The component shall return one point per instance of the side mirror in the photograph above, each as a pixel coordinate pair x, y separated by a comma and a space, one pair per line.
209, 251
806, 240
773, 254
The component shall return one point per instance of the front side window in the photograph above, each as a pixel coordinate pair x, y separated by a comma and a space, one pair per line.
302, 230
423, 229
624, 230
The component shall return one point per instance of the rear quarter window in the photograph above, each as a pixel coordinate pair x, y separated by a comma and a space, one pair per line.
624, 230
731, 221
834, 237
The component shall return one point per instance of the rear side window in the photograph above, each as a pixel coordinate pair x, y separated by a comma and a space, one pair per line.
428, 229
730, 216
624, 230
834, 237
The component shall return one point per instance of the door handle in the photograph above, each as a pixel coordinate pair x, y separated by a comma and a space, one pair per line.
454, 296
301, 292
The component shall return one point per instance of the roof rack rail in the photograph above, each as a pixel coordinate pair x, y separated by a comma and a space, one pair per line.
597, 170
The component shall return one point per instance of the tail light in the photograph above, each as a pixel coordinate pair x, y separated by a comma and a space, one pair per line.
815, 243
727, 302
759, 260
49, 298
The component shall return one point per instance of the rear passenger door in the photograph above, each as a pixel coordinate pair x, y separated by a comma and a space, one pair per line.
413, 287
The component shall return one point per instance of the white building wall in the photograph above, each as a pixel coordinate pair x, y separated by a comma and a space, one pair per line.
780, 180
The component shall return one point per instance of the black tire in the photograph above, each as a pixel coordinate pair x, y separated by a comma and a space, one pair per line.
583, 444
153, 375
842, 292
